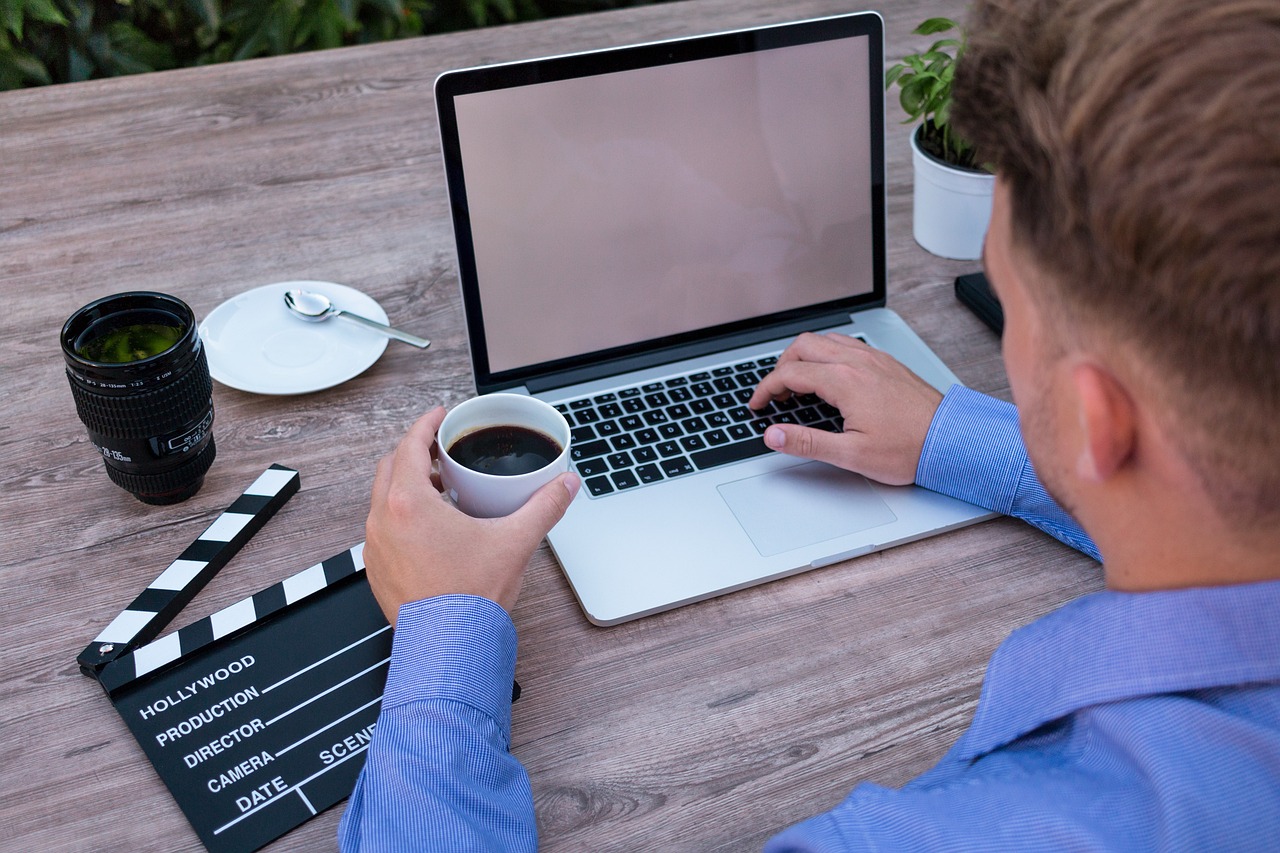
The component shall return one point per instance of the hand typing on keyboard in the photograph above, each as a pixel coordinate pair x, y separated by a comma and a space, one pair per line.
886, 408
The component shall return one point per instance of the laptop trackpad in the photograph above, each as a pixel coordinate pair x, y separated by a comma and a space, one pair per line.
802, 505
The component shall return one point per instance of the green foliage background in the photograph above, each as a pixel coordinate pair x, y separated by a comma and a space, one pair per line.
60, 41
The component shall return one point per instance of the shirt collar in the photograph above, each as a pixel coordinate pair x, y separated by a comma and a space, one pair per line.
1110, 646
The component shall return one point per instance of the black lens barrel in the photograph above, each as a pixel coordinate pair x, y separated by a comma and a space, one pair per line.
151, 418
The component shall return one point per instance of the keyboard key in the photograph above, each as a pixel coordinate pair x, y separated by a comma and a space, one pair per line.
598, 485
678, 412
582, 433
644, 454
809, 399
670, 430
625, 441
743, 395
677, 381
692, 442
610, 410
787, 405
746, 365
607, 428
655, 417
808, 416
561, 408
656, 400
633, 405
727, 453
717, 436
724, 383
629, 392
647, 436
694, 424
767, 361
676, 467
624, 480
703, 389
591, 467
828, 411
722, 371
668, 449
724, 401
740, 414
589, 450
586, 416
580, 404
829, 426
716, 419
738, 432
701, 406
604, 398
649, 473
630, 423
619, 460
759, 425
679, 395
651, 387
699, 377
748, 379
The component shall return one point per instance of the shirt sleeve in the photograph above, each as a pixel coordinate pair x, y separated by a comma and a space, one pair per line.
974, 451
439, 773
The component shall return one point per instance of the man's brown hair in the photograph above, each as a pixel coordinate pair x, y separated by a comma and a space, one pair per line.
1140, 142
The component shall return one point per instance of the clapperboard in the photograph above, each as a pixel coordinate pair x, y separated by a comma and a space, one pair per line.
257, 717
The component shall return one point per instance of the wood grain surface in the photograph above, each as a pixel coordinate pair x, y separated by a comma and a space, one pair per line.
706, 728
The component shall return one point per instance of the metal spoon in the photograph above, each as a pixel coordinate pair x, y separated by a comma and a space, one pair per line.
316, 307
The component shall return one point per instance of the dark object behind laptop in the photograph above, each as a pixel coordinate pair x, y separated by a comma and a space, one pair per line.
975, 291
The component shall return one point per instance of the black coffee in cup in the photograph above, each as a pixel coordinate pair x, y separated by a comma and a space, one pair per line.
504, 450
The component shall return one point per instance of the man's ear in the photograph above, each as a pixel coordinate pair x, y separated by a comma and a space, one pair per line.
1108, 422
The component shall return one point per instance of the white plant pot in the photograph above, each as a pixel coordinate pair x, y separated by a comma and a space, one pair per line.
951, 207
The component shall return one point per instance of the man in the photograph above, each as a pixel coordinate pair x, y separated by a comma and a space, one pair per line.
1135, 244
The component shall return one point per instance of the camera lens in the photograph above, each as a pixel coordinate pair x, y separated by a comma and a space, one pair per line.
141, 384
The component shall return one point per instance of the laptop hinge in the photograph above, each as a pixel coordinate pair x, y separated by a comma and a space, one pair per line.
616, 366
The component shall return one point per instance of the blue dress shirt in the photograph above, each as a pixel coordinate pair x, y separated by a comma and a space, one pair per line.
1119, 722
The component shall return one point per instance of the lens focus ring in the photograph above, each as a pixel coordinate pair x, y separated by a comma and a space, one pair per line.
147, 487
158, 411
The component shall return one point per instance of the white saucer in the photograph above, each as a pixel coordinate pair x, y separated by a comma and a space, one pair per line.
255, 344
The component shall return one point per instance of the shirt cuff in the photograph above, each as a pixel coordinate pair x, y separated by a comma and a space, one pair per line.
454, 647
973, 450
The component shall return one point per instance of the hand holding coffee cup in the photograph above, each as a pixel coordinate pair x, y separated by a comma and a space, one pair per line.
496, 450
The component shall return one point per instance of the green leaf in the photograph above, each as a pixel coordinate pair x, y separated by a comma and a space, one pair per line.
934, 25
207, 12
133, 52
893, 74
19, 68
913, 97
44, 11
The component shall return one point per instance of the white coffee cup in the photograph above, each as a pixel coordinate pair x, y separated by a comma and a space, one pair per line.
483, 495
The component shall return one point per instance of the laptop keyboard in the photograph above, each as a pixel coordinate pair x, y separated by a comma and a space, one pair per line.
644, 434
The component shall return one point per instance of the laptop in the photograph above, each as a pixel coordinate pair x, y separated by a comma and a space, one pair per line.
640, 232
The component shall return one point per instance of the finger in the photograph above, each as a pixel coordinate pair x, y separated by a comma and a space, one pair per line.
797, 377
546, 507
839, 449
811, 346
412, 457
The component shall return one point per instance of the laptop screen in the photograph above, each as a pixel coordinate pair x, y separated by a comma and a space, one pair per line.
699, 186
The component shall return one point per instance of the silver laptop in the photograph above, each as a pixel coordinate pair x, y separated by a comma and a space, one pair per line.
640, 232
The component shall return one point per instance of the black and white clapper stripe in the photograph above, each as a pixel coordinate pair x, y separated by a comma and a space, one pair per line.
202, 632
146, 617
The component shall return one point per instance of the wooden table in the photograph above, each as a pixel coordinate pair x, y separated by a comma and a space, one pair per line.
706, 728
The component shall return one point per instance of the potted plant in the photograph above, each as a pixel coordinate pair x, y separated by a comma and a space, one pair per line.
952, 195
